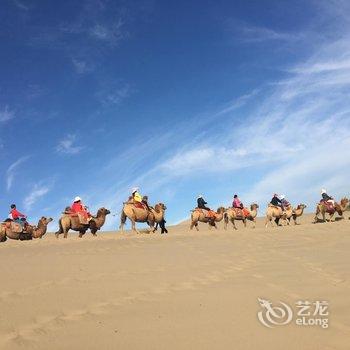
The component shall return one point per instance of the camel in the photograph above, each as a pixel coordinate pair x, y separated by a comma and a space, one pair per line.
40, 230
297, 212
345, 205
198, 215
68, 222
323, 209
134, 214
31, 231
275, 213
231, 215
292, 213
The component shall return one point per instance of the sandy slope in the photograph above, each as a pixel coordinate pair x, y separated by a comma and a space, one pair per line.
184, 290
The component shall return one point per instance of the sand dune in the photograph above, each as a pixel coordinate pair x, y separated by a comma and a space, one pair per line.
184, 290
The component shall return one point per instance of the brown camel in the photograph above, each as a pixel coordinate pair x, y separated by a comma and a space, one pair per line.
325, 209
68, 222
345, 205
40, 229
231, 215
275, 213
297, 212
134, 214
198, 215
13, 230
292, 213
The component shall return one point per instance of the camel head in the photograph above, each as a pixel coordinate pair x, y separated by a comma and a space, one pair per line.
301, 206
102, 212
159, 206
221, 210
44, 221
344, 202
254, 206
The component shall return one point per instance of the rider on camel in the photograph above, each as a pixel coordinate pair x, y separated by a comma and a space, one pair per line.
18, 217
275, 201
201, 204
78, 208
239, 205
138, 199
326, 198
285, 203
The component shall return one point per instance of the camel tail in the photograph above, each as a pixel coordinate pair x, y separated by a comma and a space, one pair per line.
123, 218
60, 229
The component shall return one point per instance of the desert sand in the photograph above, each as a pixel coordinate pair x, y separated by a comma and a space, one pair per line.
184, 290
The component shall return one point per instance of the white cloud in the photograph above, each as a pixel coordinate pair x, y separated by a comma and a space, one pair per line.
6, 114
109, 33
67, 145
81, 67
11, 171
246, 32
37, 192
20, 5
114, 95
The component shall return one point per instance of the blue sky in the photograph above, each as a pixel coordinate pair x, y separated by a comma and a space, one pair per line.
179, 98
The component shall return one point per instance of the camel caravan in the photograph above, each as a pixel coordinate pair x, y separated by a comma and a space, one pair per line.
78, 218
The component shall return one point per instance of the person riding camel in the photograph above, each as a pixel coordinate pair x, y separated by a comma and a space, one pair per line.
201, 204
145, 202
285, 203
237, 202
275, 201
79, 208
135, 195
239, 205
18, 217
326, 198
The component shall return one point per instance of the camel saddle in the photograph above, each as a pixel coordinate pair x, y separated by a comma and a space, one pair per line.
329, 207
243, 213
140, 205
209, 214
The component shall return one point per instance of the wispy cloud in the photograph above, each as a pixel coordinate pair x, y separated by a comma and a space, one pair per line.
81, 66
12, 169
111, 34
37, 192
6, 114
246, 32
114, 94
20, 5
68, 145
294, 135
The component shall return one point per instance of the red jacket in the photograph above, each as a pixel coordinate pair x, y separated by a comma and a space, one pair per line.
16, 214
78, 208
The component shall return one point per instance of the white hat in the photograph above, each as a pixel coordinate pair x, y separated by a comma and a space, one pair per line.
282, 196
135, 189
200, 196
323, 191
77, 199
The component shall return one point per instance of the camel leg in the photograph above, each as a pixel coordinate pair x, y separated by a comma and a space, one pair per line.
196, 225
254, 223
225, 222
133, 227
245, 222
268, 219
234, 225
